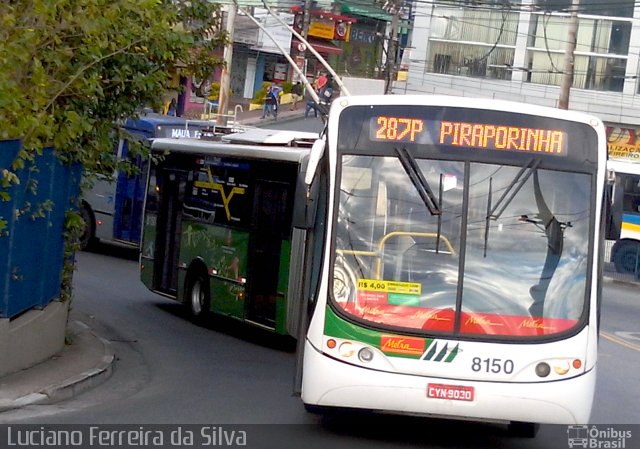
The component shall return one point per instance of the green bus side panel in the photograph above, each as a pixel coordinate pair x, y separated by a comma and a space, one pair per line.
337, 327
148, 247
283, 283
227, 298
334, 326
146, 273
225, 250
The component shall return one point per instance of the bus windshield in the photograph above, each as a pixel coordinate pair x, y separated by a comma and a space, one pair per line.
506, 255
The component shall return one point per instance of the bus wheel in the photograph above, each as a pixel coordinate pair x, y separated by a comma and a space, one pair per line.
523, 429
89, 232
198, 296
626, 257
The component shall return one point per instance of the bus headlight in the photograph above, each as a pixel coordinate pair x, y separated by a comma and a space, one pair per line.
346, 349
562, 367
365, 355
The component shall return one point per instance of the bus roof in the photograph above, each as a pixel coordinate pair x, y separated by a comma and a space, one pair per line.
463, 102
149, 121
279, 137
223, 148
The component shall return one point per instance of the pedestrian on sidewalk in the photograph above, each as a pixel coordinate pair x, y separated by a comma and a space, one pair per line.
311, 105
270, 103
296, 95
320, 81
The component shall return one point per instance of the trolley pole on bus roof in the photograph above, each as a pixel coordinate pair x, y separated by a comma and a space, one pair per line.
567, 71
313, 94
303, 39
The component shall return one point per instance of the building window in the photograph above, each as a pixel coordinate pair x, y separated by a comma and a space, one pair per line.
617, 8
470, 60
600, 57
472, 42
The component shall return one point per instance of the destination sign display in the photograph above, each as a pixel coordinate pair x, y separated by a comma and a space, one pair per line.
180, 132
467, 135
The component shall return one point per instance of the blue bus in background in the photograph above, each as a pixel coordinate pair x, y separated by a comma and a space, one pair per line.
112, 207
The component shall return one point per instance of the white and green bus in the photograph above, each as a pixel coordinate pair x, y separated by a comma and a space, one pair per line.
217, 228
434, 256
454, 262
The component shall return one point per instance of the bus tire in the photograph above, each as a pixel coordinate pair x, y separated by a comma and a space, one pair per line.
626, 257
88, 237
197, 295
523, 429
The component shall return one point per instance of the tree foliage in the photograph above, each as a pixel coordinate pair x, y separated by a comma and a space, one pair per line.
69, 69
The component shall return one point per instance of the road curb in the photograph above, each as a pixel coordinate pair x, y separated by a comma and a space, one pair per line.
91, 378
72, 385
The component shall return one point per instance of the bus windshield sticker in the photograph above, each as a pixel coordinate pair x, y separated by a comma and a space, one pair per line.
389, 292
483, 136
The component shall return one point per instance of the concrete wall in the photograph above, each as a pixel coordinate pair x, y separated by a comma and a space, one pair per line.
32, 337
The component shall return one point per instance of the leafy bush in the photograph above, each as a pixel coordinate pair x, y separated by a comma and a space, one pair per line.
69, 70
286, 87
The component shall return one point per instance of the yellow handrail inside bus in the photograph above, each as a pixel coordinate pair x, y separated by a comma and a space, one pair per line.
377, 254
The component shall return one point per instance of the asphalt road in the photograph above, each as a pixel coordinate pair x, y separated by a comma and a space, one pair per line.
171, 371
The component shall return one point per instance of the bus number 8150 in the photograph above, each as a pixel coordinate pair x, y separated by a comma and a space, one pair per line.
495, 366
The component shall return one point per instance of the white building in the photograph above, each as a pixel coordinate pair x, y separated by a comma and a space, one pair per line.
515, 50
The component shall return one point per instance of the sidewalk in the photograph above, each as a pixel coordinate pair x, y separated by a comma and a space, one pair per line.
253, 118
84, 363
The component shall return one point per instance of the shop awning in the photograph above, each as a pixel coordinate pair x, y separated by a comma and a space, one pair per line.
323, 47
370, 11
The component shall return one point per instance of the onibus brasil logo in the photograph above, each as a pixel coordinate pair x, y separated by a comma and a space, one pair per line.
597, 437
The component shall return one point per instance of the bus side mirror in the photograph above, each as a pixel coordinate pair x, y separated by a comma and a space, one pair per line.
611, 176
317, 151
306, 201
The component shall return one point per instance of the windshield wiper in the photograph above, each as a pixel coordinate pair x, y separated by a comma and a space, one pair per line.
513, 188
420, 183
488, 218
507, 196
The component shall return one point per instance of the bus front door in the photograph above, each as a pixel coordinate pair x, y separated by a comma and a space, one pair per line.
172, 187
267, 270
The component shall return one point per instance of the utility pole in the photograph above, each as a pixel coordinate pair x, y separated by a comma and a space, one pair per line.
306, 22
567, 71
225, 77
392, 47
